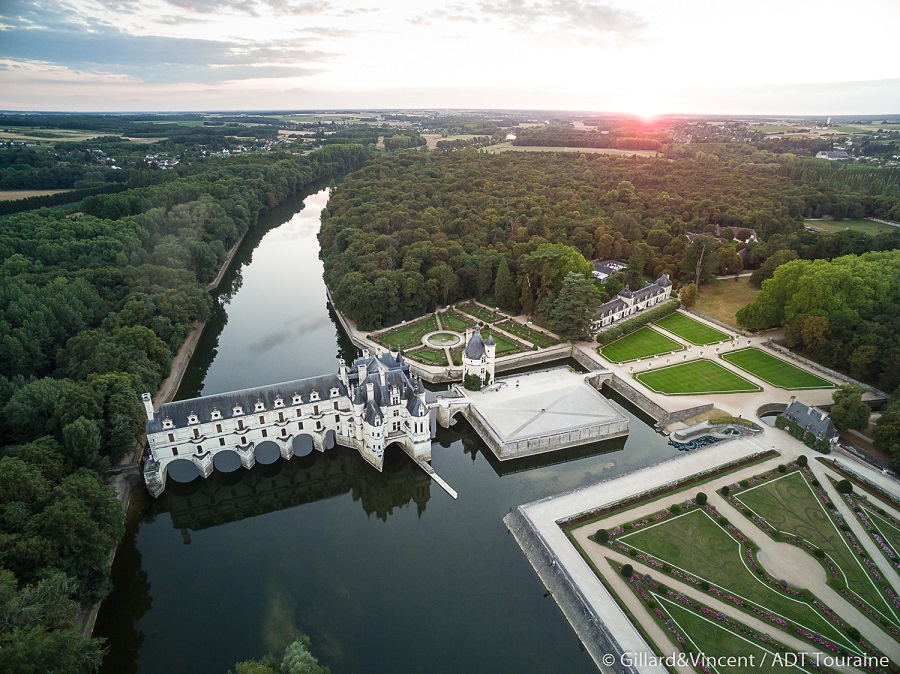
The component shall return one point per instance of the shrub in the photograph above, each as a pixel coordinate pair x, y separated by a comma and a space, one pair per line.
802, 461
628, 326
853, 633
602, 536
737, 421
782, 468
704, 585
815, 483
627, 570
675, 509
844, 487
667, 568
701, 498
820, 553
723, 521
725, 490
633, 552
745, 483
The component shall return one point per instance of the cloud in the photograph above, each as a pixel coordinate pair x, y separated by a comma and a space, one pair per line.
251, 7
582, 16
455, 13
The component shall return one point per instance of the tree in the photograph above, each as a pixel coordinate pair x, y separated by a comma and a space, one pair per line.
485, 275
699, 260
688, 295
849, 411
505, 291
575, 305
767, 269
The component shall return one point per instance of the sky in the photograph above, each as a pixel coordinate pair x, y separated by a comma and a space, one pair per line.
766, 57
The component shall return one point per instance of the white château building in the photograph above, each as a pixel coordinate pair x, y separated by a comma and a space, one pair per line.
374, 403
629, 302
479, 357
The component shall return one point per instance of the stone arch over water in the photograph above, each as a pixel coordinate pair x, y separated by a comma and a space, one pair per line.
182, 470
226, 461
267, 452
330, 440
303, 445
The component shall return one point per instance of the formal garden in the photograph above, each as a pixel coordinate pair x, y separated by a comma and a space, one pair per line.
685, 561
644, 342
692, 330
774, 370
695, 377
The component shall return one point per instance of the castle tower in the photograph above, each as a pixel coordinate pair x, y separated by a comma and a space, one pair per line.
478, 357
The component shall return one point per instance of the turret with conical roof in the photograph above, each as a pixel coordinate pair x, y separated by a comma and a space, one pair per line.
479, 356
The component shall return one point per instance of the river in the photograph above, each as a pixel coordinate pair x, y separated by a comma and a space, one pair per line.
385, 572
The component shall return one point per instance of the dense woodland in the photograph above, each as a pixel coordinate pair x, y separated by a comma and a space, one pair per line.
407, 233
93, 305
625, 138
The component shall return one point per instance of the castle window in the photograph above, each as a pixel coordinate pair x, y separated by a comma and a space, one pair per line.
396, 413
337, 417
167, 423
171, 437
196, 432
221, 442
300, 426
192, 418
265, 433
216, 414
335, 404
296, 400
259, 407
283, 431
335, 392
240, 424
243, 439
237, 411
218, 428
279, 402
281, 416
262, 419
314, 395
315, 409
174, 451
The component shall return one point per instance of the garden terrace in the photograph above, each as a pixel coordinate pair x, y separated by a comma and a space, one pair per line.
695, 377
479, 312
692, 330
406, 336
774, 370
798, 512
540, 339
427, 356
451, 320
882, 527
642, 343
505, 345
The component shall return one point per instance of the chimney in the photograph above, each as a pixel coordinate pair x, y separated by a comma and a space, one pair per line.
824, 414
381, 374
362, 373
370, 391
148, 405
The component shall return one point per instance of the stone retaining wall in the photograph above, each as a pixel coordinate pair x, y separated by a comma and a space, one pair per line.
596, 637
685, 414
637, 398
821, 368
770, 408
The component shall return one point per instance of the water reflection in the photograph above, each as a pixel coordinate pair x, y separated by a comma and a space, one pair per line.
230, 497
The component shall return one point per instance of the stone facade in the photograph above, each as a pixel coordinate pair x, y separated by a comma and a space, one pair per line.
629, 302
367, 407
480, 357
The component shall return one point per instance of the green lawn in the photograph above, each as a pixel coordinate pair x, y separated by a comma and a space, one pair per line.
542, 340
693, 331
426, 355
505, 345
790, 505
406, 336
774, 370
454, 321
482, 314
696, 376
695, 543
642, 343
887, 530
864, 226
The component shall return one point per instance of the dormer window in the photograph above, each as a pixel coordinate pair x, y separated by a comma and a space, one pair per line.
279, 402
314, 395
167, 423
237, 411
216, 415
297, 399
259, 406
335, 392
192, 418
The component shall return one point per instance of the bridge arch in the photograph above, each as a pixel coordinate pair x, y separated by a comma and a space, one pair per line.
182, 470
267, 452
226, 461
330, 439
303, 444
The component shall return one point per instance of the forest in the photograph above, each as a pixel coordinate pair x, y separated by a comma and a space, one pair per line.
409, 232
94, 302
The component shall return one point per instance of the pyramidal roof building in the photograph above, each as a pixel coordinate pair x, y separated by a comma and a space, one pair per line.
479, 357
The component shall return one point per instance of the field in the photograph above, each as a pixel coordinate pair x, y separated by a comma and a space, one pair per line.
864, 226
509, 147
693, 331
773, 370
721, 299
12, 195
696, 376
433, 138
642, 343
407, 336
49, 136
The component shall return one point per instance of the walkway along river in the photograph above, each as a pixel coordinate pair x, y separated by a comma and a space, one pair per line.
384, 571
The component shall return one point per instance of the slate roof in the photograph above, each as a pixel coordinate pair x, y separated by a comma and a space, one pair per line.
179, 410
611, 307
475, 347
663, 281
810, 419
609, 267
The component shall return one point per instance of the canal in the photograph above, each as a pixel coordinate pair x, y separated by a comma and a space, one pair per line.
385, 572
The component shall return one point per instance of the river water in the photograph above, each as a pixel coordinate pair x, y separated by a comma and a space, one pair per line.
385, 572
